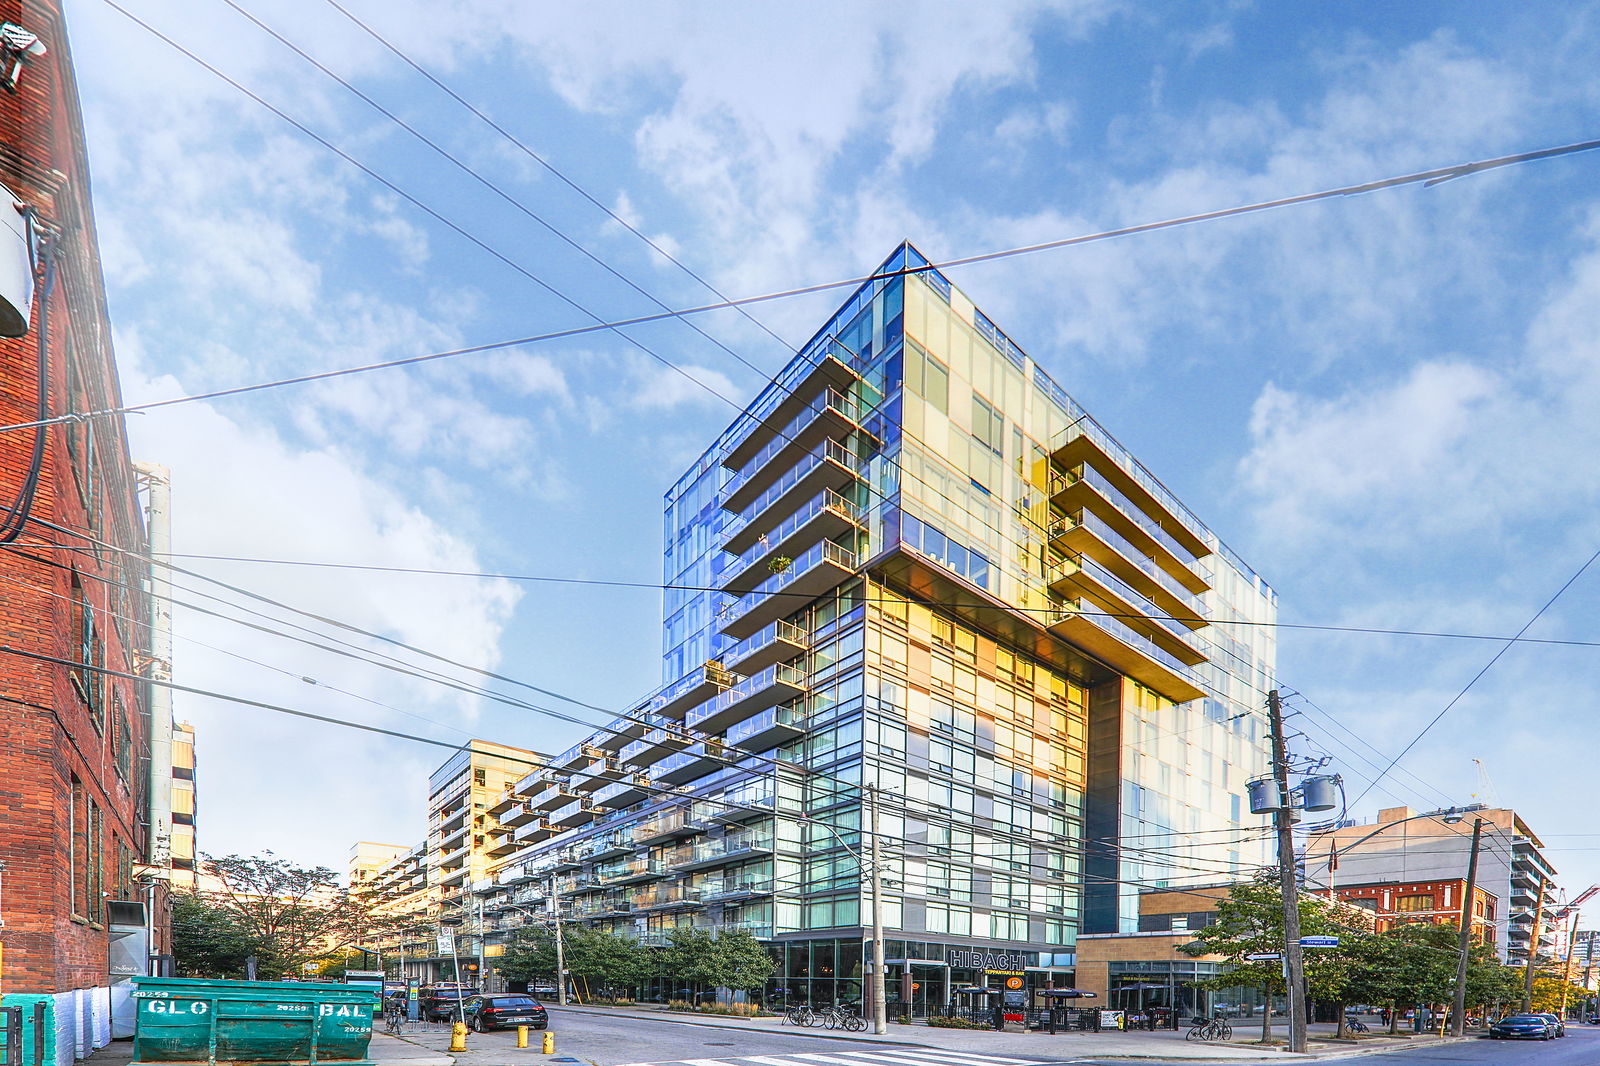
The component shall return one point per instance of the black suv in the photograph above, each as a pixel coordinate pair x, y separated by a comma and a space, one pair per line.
505, 1010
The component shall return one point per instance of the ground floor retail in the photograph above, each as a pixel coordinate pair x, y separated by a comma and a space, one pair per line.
924, 977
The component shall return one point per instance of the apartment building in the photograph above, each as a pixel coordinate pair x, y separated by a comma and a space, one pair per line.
1435, 902
913, 563
1403, 847
184, 873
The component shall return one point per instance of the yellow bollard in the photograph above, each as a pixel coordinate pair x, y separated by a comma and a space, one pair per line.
522, 1036
458, 1037
549, 1043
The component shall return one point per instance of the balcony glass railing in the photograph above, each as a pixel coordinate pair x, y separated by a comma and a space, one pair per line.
1135, 599
826, 501
1126, 634
1100, 528
1084, 426
767, 635
827, 551
1126, 507
732, 845
829, 450
772, 716
779, 673
828, 400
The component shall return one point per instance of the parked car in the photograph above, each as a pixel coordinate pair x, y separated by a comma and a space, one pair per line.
438, 1003
1522, 1027
1560, 1026
505, 1010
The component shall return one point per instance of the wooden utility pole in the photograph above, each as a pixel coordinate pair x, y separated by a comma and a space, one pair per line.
1293, 958
1458, 1002
1533, 948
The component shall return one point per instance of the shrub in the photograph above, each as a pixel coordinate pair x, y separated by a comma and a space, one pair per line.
737, 1010
955, 1023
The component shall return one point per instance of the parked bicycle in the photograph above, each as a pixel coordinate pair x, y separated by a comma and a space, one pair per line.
1214, 1029
1355, 1026
394, 1017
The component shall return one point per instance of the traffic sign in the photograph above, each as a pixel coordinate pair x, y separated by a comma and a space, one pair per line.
1264, 956
1319, 941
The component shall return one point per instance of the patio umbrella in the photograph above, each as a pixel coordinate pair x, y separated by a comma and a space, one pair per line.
977, 990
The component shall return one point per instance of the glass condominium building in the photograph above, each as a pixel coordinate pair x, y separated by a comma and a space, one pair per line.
915, 564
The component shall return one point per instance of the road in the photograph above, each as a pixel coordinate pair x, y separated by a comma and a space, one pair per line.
609, 1041
1580, 1047
603, 1040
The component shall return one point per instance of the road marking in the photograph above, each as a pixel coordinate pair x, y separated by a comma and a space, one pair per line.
940, 1056
854, 1058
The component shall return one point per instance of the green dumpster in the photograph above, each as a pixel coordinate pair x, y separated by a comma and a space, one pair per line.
186, 1020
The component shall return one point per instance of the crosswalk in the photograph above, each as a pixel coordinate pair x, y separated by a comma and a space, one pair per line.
878, 1057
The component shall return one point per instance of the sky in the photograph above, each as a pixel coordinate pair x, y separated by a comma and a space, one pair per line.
1385, 403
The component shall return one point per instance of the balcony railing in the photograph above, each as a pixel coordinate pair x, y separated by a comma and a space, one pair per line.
776, 684
827, 515
842, 468
775, 725
1088, 428
1073, 565
844, 412
1094, 479
817, 569
1128, 553
772, 643
1130, 651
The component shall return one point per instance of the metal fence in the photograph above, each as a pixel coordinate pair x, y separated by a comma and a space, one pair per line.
14, 1049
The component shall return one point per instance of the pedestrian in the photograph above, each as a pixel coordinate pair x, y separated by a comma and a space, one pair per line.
999, 1019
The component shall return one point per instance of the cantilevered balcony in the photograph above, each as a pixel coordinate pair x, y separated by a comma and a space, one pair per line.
579, 813
1085, 486
734, 889
695, 761
507, 801
729, 849
831, 416
774, 726
1086, 533
695, 687
830, 465
534, 831
666, 826
552, 797
823, 517
1125, 650
747, 803
774, 685
1086, 442
754, 431
638, 870
605, 846
818, 569
1079, 574
625, 792
667, 898
654, 746
774, 643
618, 732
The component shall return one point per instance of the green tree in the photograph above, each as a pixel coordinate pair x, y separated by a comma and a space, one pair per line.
207, 941
294, 914
530, 955
690, 956
1250, 921
743, 962
605, 960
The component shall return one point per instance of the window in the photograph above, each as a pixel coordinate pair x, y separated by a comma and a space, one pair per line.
928, 377
84, 678
988, 426
1412, 904
76, 848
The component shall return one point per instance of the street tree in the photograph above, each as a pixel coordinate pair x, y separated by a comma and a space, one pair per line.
690, 956
1249, 921
605, 960
743, 962
530, 955
294, 914
207, 940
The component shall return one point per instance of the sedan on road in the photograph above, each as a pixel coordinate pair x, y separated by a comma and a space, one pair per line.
1555, 1023
1522, 1027
505, 1011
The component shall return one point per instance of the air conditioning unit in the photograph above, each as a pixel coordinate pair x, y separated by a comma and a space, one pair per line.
16, 266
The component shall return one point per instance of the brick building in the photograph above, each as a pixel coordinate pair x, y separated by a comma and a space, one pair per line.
75, 721
1395, 903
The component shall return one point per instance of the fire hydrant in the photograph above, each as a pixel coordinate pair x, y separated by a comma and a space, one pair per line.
458, 1036
549, 1043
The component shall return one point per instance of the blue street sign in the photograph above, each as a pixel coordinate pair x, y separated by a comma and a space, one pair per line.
1319, 941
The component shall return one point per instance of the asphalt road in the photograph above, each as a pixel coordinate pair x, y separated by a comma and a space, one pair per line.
608, 1041
1580, 1047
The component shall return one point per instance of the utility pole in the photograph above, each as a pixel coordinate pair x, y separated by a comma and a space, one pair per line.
1533, 948
158, 516
880, 1005
1293, 958
1566, 973
561, 950
483, 933
1458, 1002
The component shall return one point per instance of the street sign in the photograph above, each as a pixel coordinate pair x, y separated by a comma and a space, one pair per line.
1319, 941
1264, 956
447, 943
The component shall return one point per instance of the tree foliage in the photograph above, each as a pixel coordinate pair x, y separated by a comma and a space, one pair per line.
292, 915
207, 941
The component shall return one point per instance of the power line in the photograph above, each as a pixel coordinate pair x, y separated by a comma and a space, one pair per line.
1510, 642
658, 586
1425, 177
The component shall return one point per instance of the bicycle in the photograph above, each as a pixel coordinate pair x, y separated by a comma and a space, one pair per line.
1355, 1026
800, 1014
1215, 1029
393, 1020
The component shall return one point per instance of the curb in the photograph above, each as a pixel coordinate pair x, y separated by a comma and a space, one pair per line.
677, 1018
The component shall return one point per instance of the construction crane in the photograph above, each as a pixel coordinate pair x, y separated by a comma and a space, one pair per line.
1584, 897
1485, 793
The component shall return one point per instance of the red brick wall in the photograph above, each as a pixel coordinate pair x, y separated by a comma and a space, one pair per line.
57, 761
